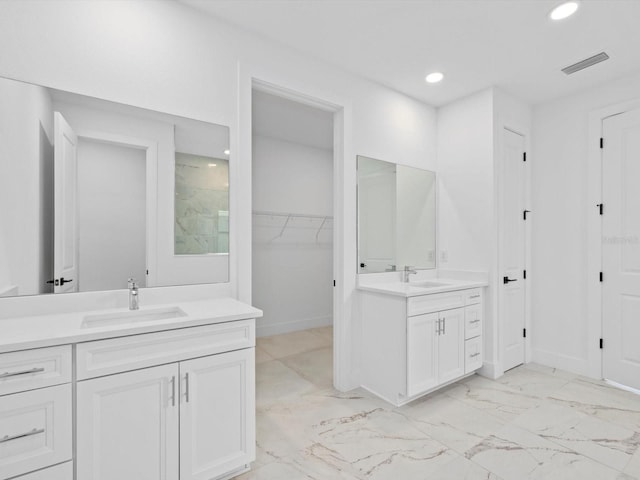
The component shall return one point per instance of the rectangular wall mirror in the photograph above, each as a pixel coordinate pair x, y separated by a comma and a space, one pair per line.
396, 216
94, 192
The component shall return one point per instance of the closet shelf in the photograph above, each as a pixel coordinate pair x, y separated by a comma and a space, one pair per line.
288, 216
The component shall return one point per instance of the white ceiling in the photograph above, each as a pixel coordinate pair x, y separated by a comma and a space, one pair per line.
511, 44
291, 121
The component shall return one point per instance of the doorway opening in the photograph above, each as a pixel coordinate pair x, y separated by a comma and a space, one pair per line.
292, 232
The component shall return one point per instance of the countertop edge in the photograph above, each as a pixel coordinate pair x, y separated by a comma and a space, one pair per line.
424, 291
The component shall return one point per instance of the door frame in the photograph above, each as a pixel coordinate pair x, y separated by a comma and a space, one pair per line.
150, 148
302, 90
594, 231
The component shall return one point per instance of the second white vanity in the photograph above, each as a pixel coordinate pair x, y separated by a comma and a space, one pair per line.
419, 336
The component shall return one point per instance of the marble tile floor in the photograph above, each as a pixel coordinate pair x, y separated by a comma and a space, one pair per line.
533, 423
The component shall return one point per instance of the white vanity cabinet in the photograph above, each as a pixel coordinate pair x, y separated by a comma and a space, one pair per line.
413, 345
130, 401
187, 420
35, 411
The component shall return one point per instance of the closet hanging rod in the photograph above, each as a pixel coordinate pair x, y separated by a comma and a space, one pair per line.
291, 215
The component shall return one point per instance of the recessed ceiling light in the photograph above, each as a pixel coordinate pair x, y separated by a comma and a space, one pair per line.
434, 77
212, 164
564, 10
227, 152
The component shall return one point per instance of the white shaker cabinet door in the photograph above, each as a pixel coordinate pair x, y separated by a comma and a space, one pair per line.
422, 353
127, 426
451, 345
217, 423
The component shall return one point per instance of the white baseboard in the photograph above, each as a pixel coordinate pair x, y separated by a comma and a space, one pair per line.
267, 330
579, 366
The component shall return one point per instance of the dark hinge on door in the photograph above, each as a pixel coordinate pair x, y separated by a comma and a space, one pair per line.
601, 277
524, 214
600, 208
524, 156
524, 274
334, 283
601, 142
524, 332
601, 343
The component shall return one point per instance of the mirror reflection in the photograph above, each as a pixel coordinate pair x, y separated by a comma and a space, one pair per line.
396, 216
94, 192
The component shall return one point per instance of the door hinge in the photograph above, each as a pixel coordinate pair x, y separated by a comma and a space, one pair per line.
601, 277
524, 156
147, 271
524, 274
524, 332
601, 343
600, 208
601, 142
334, 283
524, 214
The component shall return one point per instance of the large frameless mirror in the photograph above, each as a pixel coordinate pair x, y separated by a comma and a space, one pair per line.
396, 216
94, 192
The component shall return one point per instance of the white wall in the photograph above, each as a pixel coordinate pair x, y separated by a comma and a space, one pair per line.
111, 215
26, 180
292, 275
469, 155
560, 204
137, 52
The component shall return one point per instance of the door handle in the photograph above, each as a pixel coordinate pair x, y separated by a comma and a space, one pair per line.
63, 281
506, 280
444, 326
186, 387
173, 391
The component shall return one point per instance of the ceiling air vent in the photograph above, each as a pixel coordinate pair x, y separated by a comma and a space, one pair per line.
587, 62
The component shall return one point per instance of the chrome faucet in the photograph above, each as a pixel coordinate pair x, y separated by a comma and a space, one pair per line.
408, 270
134, 304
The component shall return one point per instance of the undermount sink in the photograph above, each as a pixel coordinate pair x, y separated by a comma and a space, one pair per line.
427, 284
131, 316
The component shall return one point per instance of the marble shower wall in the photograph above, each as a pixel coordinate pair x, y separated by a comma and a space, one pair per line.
201, 205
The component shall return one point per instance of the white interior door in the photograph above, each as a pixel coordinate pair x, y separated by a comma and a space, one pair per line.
512, 250
65, 244
621, 248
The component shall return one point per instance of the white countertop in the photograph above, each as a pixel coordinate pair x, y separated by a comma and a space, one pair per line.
411, 289
23, 333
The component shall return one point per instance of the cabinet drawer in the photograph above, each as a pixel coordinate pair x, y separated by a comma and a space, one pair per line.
473, 296
59, 472
105, 357
435, 302
472, 354
472, 321
29, 369
35, 430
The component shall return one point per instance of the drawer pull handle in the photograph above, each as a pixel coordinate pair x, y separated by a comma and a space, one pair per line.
475, 321
474, 355
8, 438
477, 295
186, 387
23, 372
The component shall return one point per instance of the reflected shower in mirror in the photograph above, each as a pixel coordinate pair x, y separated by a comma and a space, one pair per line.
94, 192
396, 216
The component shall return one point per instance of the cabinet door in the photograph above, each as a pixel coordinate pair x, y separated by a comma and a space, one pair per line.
217, 408
422, 353
451, 345
127, 426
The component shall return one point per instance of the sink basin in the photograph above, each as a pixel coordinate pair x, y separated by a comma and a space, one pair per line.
427, 284
131, 316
